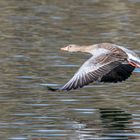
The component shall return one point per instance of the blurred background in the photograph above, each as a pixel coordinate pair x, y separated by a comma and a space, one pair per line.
31, 35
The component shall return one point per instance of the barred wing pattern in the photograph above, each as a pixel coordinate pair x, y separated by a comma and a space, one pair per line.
93, 70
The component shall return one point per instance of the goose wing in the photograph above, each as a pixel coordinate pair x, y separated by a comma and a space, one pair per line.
118, 74
93, 70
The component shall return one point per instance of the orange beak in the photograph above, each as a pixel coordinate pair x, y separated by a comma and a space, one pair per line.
64, 49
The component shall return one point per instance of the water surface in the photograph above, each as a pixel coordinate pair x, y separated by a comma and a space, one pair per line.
31, 35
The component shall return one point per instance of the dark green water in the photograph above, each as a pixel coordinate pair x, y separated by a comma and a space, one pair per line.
31, 35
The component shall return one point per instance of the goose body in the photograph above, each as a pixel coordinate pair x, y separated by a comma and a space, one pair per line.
109, 63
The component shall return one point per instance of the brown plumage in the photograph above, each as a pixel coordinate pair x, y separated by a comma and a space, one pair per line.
109, 63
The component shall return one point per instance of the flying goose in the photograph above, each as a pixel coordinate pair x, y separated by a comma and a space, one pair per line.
109, 63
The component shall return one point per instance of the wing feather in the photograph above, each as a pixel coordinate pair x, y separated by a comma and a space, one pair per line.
93, 70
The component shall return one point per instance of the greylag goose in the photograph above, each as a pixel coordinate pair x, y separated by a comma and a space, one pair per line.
109, 63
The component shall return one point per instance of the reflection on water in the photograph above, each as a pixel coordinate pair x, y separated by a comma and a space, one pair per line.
31, 34
116, 123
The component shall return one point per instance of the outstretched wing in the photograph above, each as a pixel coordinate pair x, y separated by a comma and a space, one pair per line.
93, 70
119, 73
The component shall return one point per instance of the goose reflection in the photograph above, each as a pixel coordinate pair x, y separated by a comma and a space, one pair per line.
108, 123
116, 123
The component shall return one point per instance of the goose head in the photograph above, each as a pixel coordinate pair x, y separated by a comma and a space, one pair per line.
78, 48
71, 48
